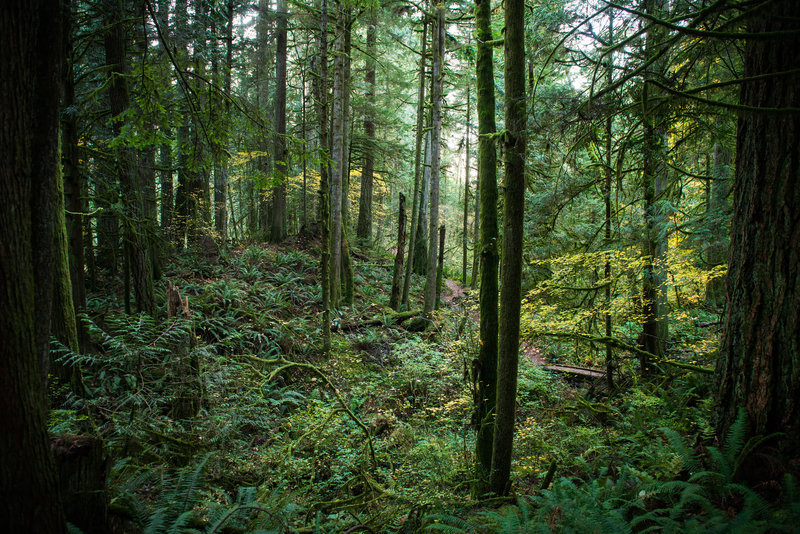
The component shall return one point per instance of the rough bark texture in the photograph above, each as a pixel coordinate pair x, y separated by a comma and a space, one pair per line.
465, 218
347, 264
440, 266
30, 78
321, 95
63, 323
337, 153
364, 231
82, 472
511, 272
421, 241
486, 365
278, 230
417, 164
394, 301
654, 176
74, 185
221, 168
759, 364
135, 241
607, 175
431, 292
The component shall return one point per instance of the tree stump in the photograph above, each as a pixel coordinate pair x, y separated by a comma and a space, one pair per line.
188, 393
82, 472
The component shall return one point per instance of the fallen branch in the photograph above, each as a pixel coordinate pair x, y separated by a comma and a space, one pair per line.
614, 342
286, 364
386, 319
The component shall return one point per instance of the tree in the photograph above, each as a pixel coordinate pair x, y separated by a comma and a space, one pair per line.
760, 348
487, 180
278, 231
364, 231
31, 75
136, 249
436, 137
511, 272
654, 176
416, 203
337, 155
465, 219
394, 300
320, 86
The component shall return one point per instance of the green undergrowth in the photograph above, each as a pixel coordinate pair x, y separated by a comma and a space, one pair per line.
232, 420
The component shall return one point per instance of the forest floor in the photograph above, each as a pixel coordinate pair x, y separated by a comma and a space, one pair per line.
233, 420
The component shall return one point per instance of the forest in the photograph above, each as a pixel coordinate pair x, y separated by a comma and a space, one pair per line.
475, 266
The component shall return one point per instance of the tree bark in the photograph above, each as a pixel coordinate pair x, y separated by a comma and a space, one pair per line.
486, 365
278, 231
421, 240
337, 154
466, 203
415, 206
436, 136
347, 265
394, 300
320, 87
511, 271
364, 232
31, 74
135, 240
654, 176
221, 168
760, 348
74, 184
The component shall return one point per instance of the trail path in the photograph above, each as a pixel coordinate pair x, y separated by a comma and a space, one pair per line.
453, 294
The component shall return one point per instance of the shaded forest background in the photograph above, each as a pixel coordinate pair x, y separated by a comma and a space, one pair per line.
396, 266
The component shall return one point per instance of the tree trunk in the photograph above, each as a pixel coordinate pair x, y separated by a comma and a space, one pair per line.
82, 473
337, 155
394, 301
321, 96
436, 136
485, 368
440, 267
421, 240
654, 175
74, 185
511, 271
135, 242
221, 168
760, 348
30, 84
347, 265
466, 204
64, 323
607, 202
415, 207
364, 232
278, 232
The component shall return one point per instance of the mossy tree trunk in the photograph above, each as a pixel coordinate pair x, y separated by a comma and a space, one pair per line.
134, 231
30, 86
347, 265
436, 136
364, 231
760, 348
511, 271
415, 206
655, 182
394, 300
486, 365
320, 87
278, 231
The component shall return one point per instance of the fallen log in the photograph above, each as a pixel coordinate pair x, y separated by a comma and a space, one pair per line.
390, 318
